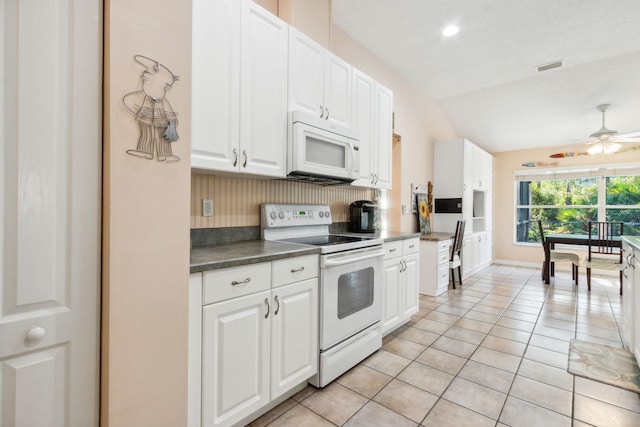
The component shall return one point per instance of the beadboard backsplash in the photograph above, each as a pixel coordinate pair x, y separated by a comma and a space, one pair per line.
236, 201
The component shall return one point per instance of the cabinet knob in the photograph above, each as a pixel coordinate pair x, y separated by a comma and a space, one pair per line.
36, 334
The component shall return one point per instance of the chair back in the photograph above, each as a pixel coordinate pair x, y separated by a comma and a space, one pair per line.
457, 239
542, 238
601, 239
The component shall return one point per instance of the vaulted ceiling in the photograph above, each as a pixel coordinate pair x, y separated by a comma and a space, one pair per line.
485, 77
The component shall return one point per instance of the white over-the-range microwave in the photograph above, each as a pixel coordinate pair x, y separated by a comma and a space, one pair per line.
321, 152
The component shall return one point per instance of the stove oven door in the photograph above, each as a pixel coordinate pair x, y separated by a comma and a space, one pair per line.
350, 293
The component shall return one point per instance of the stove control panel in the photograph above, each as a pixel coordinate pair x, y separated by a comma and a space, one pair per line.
282, 215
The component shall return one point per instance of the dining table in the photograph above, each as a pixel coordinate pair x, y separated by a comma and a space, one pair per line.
570, 239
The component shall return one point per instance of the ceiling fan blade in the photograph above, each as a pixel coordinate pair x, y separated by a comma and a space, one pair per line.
630, 135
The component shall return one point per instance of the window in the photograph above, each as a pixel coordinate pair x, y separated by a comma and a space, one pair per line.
566, 200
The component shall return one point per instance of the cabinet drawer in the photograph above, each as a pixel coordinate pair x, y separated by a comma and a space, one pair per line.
443, 258
226, 283
443, 274
392, 249
444, 245
293, 270
410, 246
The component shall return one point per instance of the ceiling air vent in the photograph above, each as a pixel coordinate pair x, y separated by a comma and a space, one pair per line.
549, 66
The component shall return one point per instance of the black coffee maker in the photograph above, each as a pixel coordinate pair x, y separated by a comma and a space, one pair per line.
363, 216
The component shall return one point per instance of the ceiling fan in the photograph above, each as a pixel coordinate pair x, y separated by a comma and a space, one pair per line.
607, 140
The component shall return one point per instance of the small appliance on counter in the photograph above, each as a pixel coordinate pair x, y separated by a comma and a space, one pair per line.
363, 216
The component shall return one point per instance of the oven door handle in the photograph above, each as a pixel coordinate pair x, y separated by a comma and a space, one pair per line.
348, 260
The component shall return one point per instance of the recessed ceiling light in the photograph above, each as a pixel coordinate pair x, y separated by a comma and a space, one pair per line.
450, 30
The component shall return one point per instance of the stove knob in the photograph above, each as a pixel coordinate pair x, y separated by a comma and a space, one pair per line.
273, 215
321, 214
327, 214
281, 215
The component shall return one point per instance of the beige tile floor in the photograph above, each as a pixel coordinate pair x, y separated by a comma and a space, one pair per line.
491, 353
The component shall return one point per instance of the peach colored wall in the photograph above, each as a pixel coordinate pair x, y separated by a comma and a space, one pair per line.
312, 17
419, 120
146, 226
505, 164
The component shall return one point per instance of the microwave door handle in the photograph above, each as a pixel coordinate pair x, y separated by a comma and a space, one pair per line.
348, 260
352, 157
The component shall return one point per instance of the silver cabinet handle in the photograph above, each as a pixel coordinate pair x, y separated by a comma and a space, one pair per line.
412, 246
392, 250
297, 270
266, 301
327, 116
376, 175
242, 282
373, 178
321, 112
275, 313
235, 159
244, 153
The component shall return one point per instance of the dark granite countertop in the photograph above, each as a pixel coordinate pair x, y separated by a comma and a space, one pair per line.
436, 236
222, 255
633, 241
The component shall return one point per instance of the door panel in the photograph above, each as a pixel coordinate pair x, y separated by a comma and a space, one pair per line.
50, 191
35, 406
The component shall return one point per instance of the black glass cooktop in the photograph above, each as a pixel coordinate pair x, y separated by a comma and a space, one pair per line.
326, 240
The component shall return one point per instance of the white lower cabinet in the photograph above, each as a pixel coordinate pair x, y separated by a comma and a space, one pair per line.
401, 272
235, 358
477, 252
294, 335
434, 265
259, 337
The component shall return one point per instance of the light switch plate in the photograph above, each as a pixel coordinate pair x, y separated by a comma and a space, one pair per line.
207, 207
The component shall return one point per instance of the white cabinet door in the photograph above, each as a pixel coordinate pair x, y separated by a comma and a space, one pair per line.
50, 193
628, 293
235, 358
294, 339
215, 96
467, 255
392, 311
337, 90
383, 136
636, 304
306, 74
263, 92
410, 275
363, 122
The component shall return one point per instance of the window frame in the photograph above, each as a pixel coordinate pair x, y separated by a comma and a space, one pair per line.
600, 173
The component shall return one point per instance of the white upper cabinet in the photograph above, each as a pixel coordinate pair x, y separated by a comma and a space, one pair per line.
319, 81
372, 107
215, 97
239, 88
383, 137
363, 122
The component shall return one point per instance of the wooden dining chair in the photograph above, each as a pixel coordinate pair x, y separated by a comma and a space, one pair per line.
455, 257
551, 256
604, 253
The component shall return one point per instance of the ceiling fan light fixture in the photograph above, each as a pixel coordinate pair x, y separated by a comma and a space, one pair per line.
595, 149
611, 147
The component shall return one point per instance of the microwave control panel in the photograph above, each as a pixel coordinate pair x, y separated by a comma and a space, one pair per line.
282, 215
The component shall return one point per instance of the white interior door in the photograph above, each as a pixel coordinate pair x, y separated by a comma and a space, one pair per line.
50, 193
